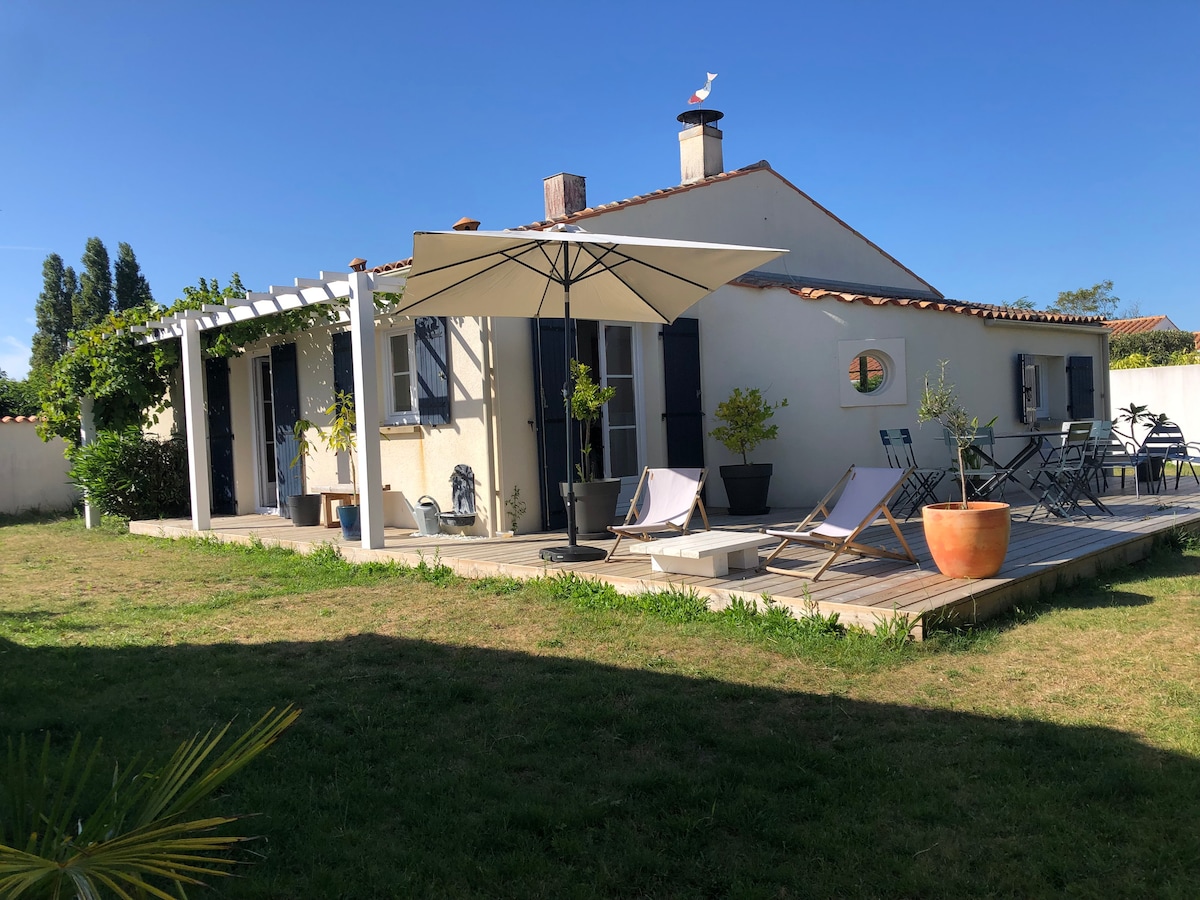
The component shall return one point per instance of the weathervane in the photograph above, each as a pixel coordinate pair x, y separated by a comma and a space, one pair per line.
701, 95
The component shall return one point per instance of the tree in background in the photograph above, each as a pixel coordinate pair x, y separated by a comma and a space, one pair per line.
95, 299
17, 398
55, 315
1098, 300
1021, 303
132, 289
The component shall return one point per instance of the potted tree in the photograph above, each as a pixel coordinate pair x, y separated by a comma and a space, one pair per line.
305, 508
1133, 417
340, 438
967, 539
745, 415
595, 497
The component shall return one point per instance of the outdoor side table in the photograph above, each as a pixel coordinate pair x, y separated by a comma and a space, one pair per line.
711, 553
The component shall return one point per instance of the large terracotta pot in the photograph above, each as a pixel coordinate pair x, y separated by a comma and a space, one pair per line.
967, 543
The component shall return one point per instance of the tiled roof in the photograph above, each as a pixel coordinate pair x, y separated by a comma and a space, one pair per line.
962, 307
11, 419
761, 166
1135, 326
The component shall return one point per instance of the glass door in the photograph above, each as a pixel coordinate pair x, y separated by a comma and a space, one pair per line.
622, 434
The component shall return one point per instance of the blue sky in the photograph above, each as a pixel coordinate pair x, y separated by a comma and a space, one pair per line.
998, 150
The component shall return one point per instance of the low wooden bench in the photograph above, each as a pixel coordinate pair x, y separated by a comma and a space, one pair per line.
343, 493
710, 553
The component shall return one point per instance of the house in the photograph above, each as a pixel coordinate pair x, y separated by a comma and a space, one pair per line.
1141, 323
487, 392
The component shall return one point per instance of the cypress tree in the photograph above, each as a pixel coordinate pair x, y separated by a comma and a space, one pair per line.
95, 285
55, 314
132, 289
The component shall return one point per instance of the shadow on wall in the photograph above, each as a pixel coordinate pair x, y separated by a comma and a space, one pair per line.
417, 764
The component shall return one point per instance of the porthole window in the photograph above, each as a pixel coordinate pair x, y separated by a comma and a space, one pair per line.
868, 373
872, 372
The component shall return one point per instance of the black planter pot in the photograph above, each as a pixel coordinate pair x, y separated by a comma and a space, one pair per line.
747, 487
348, 516
595, 506
306, 509
1150, 471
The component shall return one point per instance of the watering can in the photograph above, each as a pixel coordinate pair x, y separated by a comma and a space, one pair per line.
427, 514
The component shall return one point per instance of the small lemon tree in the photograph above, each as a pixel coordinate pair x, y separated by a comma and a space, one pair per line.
745, 415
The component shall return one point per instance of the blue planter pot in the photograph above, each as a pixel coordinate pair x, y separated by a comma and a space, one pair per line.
348, 516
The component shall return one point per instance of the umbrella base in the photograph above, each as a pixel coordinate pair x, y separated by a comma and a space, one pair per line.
573, 553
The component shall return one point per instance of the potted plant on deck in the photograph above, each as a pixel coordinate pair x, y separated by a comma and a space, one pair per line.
744, 416
1133, 416
965, 539
341, 438
305, 508
595, 497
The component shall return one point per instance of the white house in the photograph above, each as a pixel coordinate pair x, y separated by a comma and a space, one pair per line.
487, 392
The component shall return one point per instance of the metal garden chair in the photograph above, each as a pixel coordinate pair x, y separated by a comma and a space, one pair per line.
919, 488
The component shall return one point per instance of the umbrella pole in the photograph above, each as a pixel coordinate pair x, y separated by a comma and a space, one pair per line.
572, 552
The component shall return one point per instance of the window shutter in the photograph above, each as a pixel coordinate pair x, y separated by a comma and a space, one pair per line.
285, 402
1080, 391
343, 364
550, 413
220, 436
433, 370
683, 411
1026, 392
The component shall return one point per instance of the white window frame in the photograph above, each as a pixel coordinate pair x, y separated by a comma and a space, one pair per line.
391, 415
889, 352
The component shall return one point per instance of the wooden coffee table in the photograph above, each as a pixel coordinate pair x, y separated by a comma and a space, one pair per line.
711, 553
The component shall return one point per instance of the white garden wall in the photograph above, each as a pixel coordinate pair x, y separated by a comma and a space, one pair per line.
33, 474
1165, 389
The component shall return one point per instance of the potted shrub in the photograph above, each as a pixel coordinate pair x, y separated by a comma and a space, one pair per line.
515, 507
305, 508
965, 539
340, 438
744, 416
1133, 417
595, 497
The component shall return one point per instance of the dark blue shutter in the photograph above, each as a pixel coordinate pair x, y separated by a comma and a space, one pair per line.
343, 364
683, 410
285, 402
550, 418
220, 436
433, 370
1080, 390
1026, 390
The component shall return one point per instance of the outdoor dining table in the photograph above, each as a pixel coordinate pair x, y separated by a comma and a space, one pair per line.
1005, 472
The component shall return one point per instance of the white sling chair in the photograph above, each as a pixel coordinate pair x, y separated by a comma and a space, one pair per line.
665, 500
865, 497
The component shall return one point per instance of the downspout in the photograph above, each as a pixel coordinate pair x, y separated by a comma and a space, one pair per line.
493, 442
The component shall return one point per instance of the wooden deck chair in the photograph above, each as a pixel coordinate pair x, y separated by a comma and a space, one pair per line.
665, 500
864, 496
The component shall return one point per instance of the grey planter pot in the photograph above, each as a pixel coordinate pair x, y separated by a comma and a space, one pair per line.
306, 509
747, 488
595, 506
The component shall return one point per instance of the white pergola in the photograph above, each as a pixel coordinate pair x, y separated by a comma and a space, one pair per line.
357, 288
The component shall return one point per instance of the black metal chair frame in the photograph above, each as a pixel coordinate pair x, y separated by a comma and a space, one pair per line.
920, 487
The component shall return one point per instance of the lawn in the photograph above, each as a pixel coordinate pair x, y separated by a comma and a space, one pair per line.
493, 739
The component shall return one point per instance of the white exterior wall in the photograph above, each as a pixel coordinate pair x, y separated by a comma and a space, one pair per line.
33, 474
761, 209
1164, 389
788, 347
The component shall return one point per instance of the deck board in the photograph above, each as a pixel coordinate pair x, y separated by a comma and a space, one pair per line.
1043, 553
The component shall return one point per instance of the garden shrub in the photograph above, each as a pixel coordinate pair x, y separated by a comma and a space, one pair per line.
133, 476
1159, 348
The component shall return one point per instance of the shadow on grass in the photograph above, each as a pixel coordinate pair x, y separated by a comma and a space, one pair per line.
426, 770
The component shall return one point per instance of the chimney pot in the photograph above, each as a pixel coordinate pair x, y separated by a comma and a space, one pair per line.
358, 264
466, 224
565, 195
700, 145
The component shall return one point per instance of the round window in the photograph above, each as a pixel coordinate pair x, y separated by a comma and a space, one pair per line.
868, 372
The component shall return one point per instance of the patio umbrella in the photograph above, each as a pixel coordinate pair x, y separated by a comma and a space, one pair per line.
565, 272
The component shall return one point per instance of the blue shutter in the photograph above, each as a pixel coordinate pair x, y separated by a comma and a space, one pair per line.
285, 401
1026, 390
551, 419
343, 364
220, 436
433, 370
1080, 390
683, 411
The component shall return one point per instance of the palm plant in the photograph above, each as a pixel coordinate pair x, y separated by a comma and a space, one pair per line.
138, 839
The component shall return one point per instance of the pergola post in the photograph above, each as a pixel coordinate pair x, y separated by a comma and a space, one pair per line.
366, 410
87, 434
197, 427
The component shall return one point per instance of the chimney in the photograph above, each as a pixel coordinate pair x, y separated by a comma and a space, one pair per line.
700, 145
466, 224
565, 195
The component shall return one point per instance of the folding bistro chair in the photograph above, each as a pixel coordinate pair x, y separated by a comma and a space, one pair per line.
984, 474
1058, 483
665, 500
1161, 445
864, 495
918, 488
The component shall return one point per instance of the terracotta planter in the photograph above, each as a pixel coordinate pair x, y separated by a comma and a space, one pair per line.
967, 543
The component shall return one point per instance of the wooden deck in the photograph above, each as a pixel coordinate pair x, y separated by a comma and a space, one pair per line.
1043, 554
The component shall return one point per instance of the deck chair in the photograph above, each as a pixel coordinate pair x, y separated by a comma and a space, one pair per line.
665, 500
864, 496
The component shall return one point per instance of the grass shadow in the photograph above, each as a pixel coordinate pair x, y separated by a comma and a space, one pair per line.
419, 769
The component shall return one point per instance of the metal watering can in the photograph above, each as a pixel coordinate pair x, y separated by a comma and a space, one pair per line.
427, 514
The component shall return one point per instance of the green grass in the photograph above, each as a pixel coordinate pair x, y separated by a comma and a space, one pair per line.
556, 739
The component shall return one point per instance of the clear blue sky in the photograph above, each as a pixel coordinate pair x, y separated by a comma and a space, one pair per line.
998, 150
